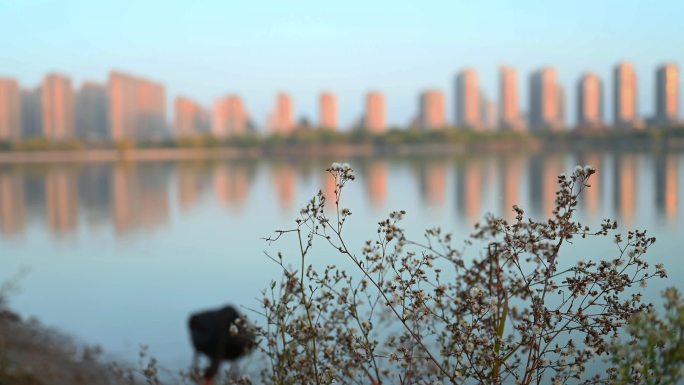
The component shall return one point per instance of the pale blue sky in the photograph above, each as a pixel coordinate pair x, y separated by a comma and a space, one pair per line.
204, 49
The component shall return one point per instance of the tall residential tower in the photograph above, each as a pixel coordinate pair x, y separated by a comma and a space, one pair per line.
328, 114
667, 94
509, 110
589, 102
547, 101
57, 102
432, 114
467, 99
625, 108
10, 110
375, 118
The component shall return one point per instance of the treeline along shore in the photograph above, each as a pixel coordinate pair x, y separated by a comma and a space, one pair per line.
446, 142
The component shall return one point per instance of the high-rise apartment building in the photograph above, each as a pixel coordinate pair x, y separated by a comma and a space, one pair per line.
509, 109
468, 99
92, 111
281, 119
547, 101
10, 110
625, 107
432, 112
589, 102
328, 114
667, 94
376, 113
31, 113
137, 108
190, 118
489, 116
57, 97
229, 117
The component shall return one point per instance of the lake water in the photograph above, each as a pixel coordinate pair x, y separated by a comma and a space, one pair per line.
119, 254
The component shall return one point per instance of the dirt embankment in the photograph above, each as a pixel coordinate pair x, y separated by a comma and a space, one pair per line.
31, 354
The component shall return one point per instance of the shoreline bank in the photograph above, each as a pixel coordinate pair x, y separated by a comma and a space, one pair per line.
328, 150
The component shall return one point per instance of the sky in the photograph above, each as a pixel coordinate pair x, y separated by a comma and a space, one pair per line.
205, 49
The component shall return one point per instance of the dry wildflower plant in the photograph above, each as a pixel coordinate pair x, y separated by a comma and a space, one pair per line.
420, 312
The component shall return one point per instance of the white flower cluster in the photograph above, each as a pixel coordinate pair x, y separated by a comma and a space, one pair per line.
340, 166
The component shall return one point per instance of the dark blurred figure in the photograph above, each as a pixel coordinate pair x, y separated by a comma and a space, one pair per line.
220, 335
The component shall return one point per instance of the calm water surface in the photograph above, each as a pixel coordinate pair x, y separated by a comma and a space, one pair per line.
119, 254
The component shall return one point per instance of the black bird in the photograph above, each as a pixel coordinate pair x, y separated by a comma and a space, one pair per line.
220, 335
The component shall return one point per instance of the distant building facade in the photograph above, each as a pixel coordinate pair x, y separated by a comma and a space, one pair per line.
190, 118
509, 109
10, 110
376, 113
547, 101
137, 108
468, 99
589, 102
432, 110
625, 91
57, 103
282, 120
229, 117
328, 113
667, 94
31, 113
92, 111
489, 115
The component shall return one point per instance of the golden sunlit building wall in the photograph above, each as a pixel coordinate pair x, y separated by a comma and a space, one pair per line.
509, 108
229, 117
10, 110
281, 120
57, 102
547, 101
432, 111
667, 94
625, 107
137, 108
190, 118
376, 113
589, 102
328, 113
468, 99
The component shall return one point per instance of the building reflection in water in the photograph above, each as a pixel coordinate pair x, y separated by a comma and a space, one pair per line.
470, 185
376, 175
284, 180
590, 199
667, 185
433, 175
625, 185
232, 181
141, 199
12, 202
544, 172
95, 192
191, 183
135, 196
61, 199
328, 185
511, 170
553, 166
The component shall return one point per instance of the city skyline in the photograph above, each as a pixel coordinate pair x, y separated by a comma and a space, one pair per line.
310, 46
133, 107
